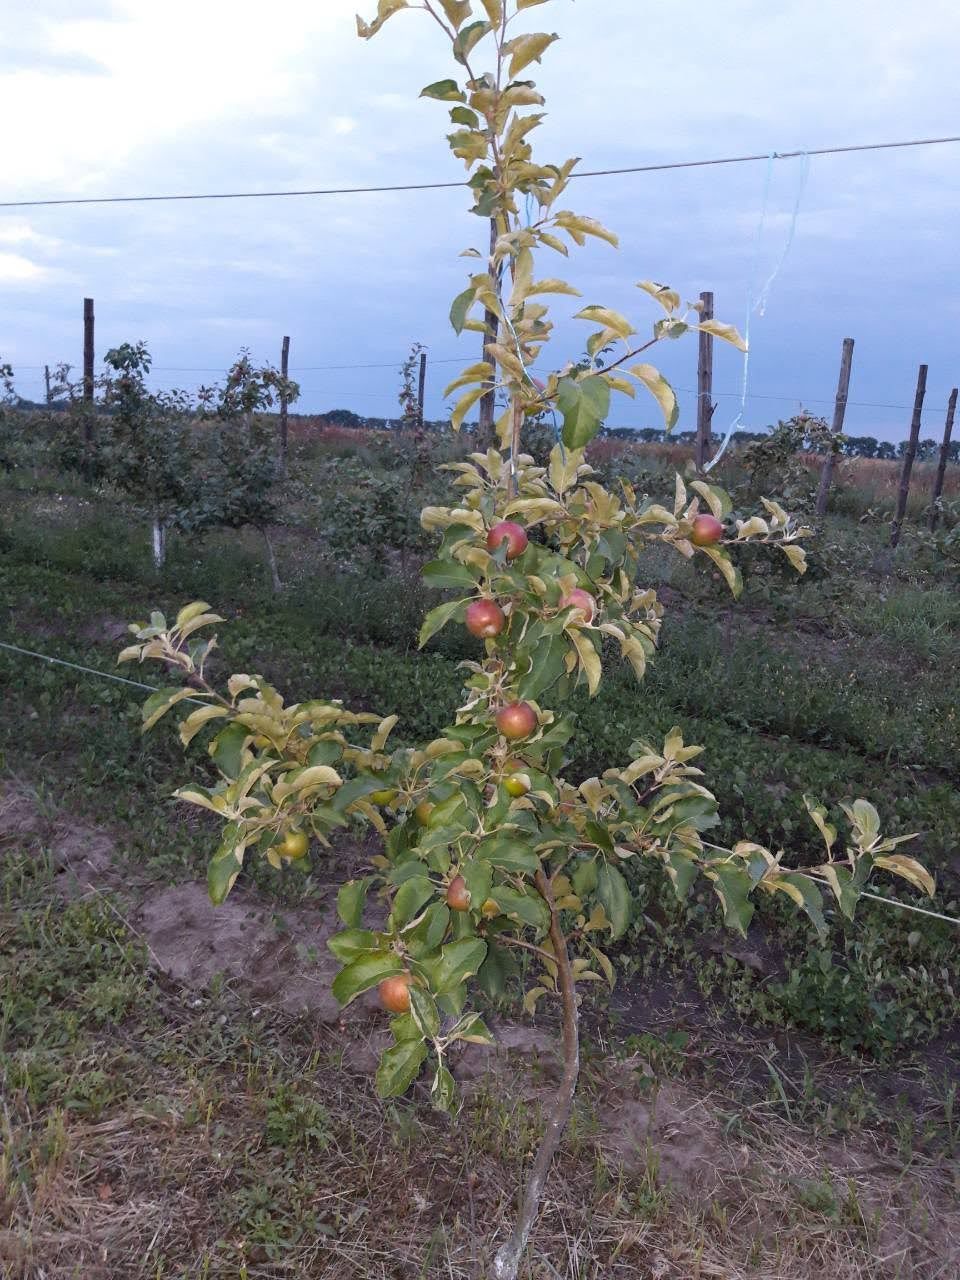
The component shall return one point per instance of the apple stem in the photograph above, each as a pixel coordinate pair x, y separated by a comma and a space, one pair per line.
506, 1264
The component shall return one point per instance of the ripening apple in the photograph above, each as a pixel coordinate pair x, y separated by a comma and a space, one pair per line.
516, 782
513, 534
294, 845
423, 811
395, 993
516, 720
707, 531
384, 797
582, 601
485, 619
458, 895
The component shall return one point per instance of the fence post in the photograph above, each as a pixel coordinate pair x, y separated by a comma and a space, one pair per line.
909, 454
88, 367
488, 400
944, 454
46, 379
705, 405
284, 370
839, 413
421, 385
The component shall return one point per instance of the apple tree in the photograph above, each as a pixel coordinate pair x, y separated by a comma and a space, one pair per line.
490, 853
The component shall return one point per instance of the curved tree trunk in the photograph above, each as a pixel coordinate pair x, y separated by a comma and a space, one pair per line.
507, 1261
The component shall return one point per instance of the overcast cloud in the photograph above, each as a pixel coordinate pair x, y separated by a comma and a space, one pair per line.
119, 97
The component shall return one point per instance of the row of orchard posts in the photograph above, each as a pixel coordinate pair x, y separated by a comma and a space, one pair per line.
705, 409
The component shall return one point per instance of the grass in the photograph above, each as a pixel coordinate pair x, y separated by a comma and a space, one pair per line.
147, 1133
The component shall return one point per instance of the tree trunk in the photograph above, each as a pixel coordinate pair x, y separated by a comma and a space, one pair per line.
275, 582
942, 464
506, 1264
486, 437
839, 412
909, 454
159, 532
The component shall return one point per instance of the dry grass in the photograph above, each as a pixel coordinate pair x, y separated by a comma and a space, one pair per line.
153, 1132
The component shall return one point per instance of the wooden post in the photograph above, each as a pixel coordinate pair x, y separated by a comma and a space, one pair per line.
420, 389
88, 368
46, 378
839, 413
488, 401
944, 454
909, 454
705, 405
284, 370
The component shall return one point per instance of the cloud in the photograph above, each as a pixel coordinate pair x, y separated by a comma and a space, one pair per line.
16, 269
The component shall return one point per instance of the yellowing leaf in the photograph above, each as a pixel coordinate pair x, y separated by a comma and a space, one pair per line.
727, 568
668, 298
661, 391
607, 317
750, 528
197, 719
725, 332
385, 9
796, 555
589, 658
527, 49
908, 869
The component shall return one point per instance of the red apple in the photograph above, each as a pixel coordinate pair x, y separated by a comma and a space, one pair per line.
458, 895
484, 618
582, 601
707, 531
516, 720
513, 534
395, 993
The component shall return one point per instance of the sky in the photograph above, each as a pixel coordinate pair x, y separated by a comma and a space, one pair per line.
128, 97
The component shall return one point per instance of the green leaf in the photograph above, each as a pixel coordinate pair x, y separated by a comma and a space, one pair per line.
584, 405
479, 877
466, 117
399, 1067
683, 871
448, 573
586, 877
802, 891
529, 908
498, 968
457, 962
460, 308
732, 886
226, 749
443, 1091
409, 898
223, 868
661, 391
350, 943
546, 667
324, 752
468, 38
613, 894
350, 902
444, 91
363, 973
509, 854
438, 618
424, 1011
